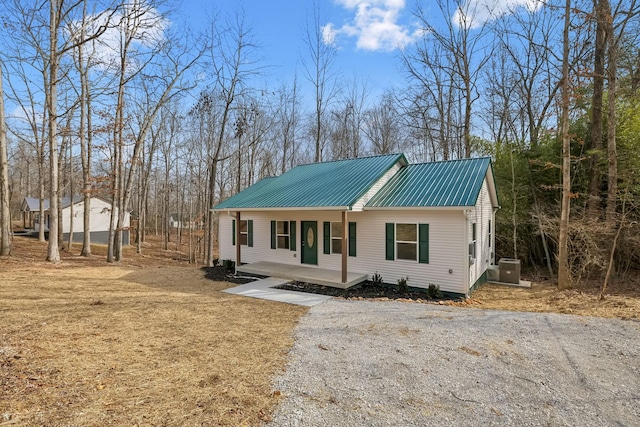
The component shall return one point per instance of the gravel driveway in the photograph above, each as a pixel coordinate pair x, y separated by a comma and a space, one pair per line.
360, 363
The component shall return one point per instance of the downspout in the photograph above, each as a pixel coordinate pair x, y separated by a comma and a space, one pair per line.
493, 235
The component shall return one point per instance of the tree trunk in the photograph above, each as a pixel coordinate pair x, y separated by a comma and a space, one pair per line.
213, 170
593, 198
53, 252
85, 146
5, 214
612, 152
564, 275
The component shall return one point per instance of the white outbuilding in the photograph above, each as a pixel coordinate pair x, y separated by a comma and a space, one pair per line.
72, 218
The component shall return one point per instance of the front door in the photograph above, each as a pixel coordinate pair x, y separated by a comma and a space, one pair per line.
309, 240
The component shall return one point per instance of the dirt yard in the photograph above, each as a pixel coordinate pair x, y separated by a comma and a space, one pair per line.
150, 341
147, 342
622, 300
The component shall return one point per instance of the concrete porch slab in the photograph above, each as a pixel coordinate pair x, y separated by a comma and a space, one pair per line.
522, 284
317, 276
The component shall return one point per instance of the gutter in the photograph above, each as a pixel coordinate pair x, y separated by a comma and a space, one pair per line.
301, 208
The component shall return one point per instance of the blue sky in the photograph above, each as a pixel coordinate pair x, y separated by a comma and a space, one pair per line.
366, 35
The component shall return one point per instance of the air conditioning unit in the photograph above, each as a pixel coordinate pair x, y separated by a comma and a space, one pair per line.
509, 270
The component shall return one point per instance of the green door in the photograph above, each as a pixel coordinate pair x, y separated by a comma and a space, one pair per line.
309, 240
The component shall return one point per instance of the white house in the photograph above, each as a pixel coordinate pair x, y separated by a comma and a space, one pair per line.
181, 221
100, 216
430, 222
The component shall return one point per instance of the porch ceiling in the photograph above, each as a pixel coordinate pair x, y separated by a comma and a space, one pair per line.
301, 273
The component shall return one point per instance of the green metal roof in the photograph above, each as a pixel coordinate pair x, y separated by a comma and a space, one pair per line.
330, 184
436, 184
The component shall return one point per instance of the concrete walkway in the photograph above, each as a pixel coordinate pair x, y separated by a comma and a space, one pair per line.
263, 289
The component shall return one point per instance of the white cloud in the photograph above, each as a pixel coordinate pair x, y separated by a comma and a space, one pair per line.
375, 25
144, 25
478, 12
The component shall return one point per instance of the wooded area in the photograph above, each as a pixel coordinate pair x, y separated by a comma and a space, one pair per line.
108, 100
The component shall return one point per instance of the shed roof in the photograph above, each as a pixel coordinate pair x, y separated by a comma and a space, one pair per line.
450, 183
336, 184
32, 204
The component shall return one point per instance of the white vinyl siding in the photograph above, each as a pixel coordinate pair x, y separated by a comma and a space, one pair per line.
481, 215
446, 237
100, 216
359, 205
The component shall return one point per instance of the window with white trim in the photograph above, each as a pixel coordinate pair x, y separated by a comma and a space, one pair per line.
282, 234
472, 245
336, 237
407, 241
244, 232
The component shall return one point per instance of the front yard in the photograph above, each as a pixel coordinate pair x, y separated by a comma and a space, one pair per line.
151, 341
85, 343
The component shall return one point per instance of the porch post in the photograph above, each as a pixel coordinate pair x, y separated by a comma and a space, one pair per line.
345, 249
238, 261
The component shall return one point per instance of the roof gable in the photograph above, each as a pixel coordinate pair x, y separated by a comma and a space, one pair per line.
336, 184
450, 183
32, 204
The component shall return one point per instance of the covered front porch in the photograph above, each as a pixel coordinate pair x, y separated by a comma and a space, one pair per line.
317, 276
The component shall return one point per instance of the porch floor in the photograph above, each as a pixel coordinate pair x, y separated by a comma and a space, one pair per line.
317, 276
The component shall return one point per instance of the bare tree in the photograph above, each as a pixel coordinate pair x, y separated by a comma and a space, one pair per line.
232, 65
564, 274
602, 14
286, 130
383, 126
318, 69
456, 50
158, 67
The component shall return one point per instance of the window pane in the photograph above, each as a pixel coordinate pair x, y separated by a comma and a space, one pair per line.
283, 227
336, 229
283, 242
243, 226
406, 232
336, 246
407, 251
243, 239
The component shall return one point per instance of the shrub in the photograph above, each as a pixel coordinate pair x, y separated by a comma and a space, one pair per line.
376, 279
228, 264
403, 285
434, 291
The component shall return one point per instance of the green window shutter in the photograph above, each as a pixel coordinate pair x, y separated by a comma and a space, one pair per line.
273, 234
327, 238
233, 232
390, 240
352, 239
250, 233
292, 235
423, 243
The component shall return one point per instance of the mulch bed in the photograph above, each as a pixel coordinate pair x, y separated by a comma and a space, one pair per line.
365, 290
221, 274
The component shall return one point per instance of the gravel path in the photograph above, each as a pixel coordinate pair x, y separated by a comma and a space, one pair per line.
359, 363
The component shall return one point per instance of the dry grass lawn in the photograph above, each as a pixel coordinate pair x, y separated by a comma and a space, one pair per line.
147, 342
622, 300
